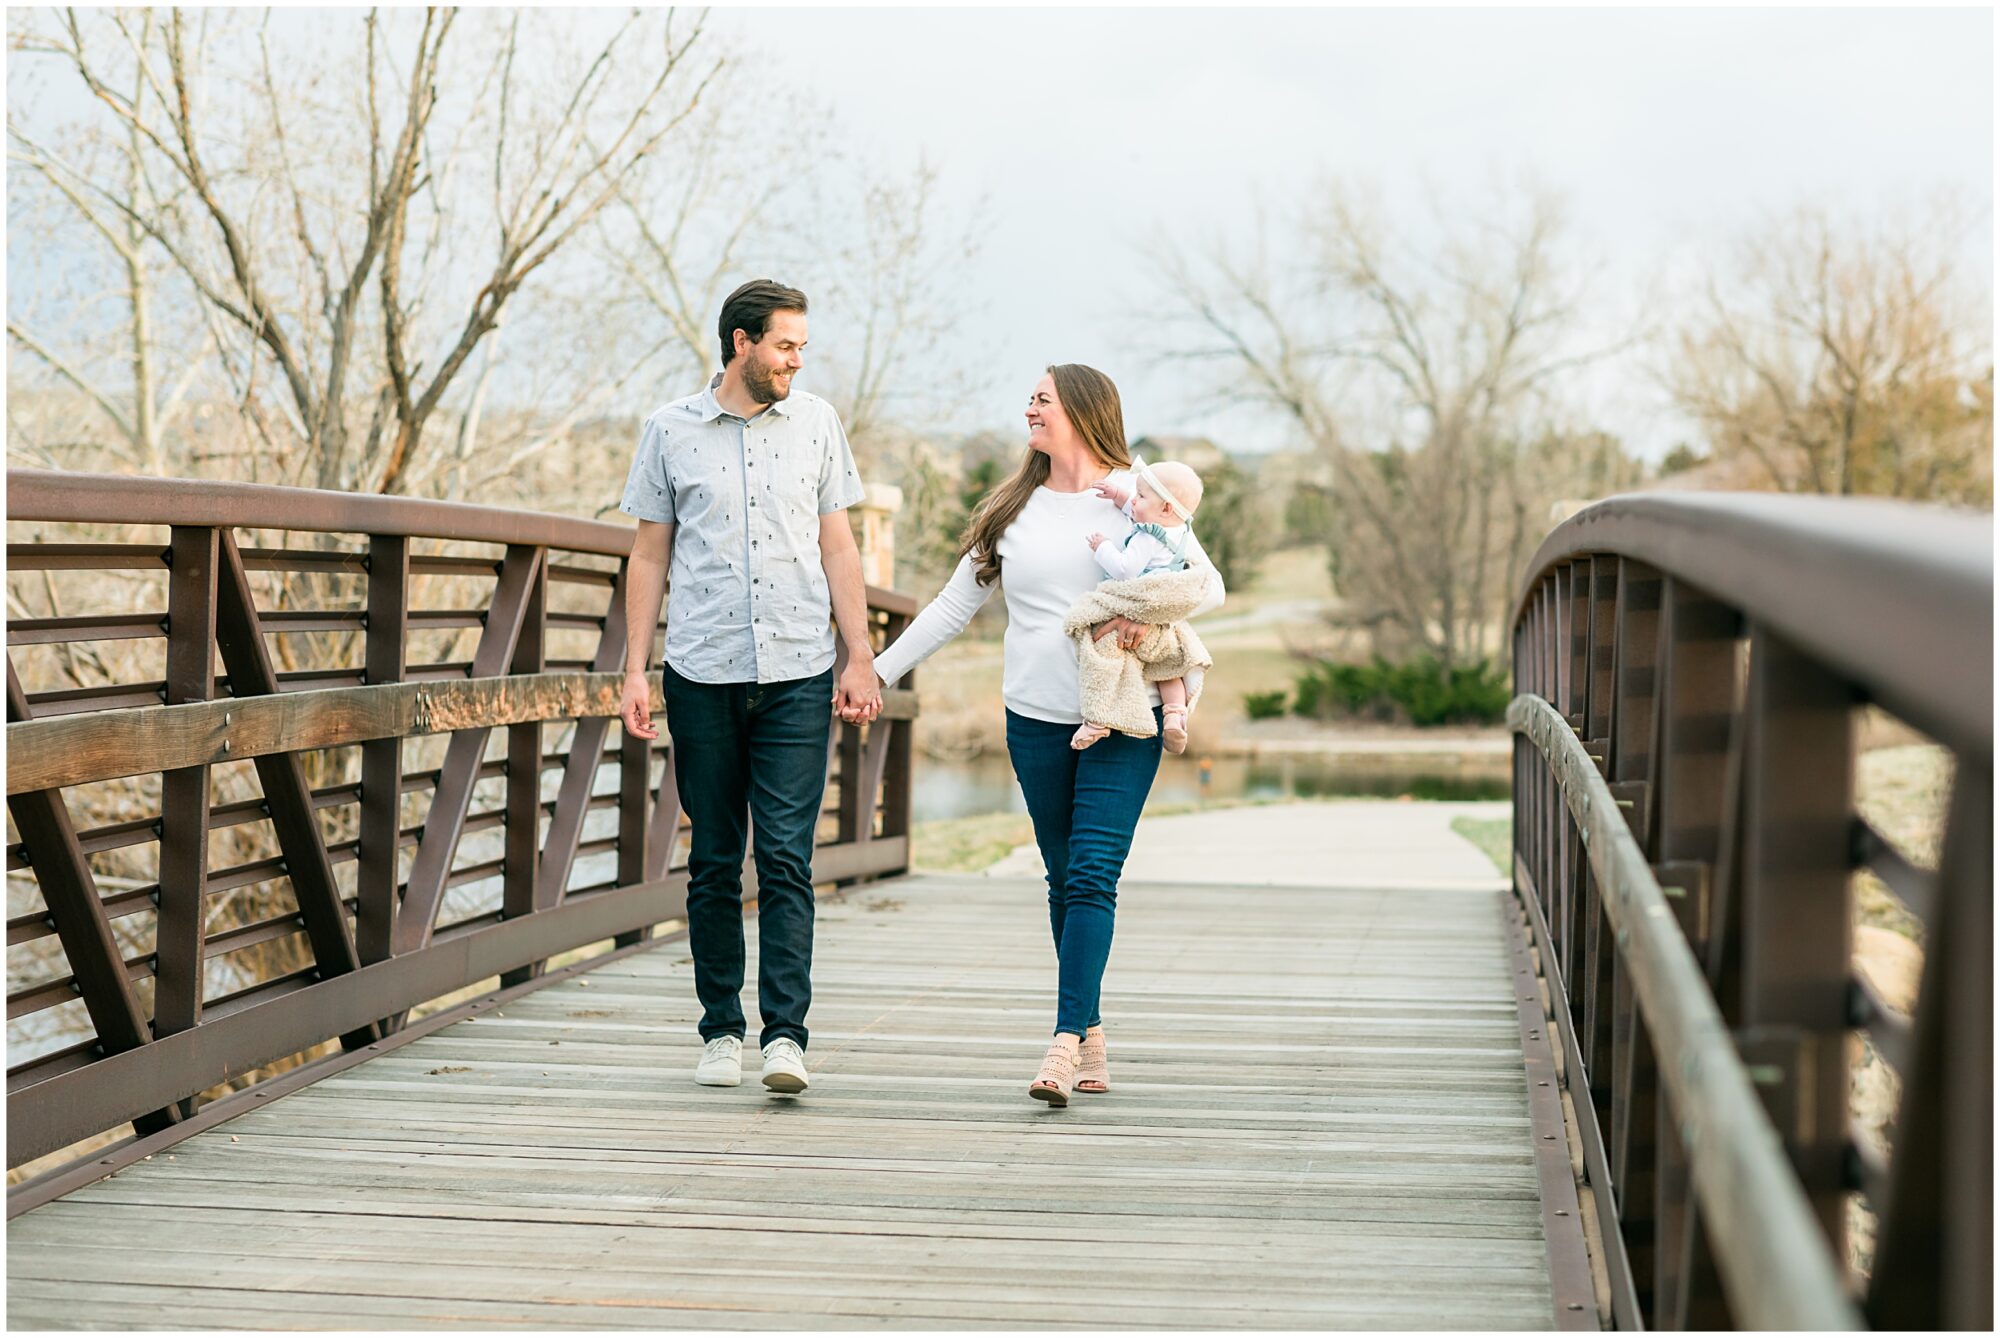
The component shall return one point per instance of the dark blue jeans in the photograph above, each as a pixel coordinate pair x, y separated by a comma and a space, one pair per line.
751, 756
1084, 805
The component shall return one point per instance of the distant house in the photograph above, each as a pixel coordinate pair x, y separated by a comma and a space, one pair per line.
1197, 453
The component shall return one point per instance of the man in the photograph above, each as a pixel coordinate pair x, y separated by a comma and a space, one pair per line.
742, 488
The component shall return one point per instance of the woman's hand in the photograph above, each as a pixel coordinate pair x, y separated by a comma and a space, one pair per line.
1130, 634
857, 696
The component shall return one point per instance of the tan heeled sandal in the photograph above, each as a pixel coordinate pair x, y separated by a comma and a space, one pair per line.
1093, 1068
1058, 1073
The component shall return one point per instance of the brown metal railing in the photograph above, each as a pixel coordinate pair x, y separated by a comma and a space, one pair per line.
370, 871
1691, 671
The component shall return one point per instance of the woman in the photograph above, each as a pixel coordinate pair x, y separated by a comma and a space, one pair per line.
1029, 538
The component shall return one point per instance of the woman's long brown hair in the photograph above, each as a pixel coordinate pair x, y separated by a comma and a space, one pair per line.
1091, 401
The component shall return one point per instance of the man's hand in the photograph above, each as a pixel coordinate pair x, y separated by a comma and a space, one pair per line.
1130, 634
857, 695
1094, 540
635, 706
1112, 493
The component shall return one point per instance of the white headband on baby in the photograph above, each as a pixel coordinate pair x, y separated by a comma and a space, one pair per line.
1152, 480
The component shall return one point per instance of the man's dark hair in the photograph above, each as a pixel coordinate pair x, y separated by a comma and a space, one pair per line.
749, 309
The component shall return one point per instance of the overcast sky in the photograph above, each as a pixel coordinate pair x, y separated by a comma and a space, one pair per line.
1077, 134
1086, 129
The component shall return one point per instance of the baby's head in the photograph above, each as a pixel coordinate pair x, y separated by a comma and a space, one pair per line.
1178, 479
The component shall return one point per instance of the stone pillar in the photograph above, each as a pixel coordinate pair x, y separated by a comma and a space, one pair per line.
878, 534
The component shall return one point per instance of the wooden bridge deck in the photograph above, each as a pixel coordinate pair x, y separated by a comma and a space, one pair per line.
1319, 1119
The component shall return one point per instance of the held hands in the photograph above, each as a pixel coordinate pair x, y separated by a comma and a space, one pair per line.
1111, 493
857, 694
1094, 540
1129, 633
635, 707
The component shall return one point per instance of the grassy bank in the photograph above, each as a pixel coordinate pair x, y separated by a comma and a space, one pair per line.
1493, 836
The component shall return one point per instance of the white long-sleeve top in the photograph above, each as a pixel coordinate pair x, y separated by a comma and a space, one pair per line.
1044, 566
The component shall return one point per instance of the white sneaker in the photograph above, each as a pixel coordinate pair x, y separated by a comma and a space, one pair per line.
721, 1063
784, 1066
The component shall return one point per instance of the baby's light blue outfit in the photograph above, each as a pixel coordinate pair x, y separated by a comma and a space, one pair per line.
1148, 548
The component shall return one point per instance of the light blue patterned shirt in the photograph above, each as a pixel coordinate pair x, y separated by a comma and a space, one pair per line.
746, 594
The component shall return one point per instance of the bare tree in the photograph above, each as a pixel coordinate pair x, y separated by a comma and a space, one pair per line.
346, 306
892, 284
726, 201
140, 404
1842, 361
873, 248
1417, 367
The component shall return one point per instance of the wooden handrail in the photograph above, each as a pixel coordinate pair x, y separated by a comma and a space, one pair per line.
384, 947
1690, 670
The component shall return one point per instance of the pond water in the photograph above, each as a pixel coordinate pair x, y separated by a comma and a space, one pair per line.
986, 784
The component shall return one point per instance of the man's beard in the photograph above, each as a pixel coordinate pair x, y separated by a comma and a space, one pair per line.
762, 384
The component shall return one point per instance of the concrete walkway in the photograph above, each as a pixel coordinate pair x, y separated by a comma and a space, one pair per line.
1348, 843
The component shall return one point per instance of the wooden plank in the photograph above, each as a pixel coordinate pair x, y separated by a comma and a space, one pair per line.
247, 1232
105, 627
524, 759
184, 799
873, 761
387, 661
102, 745
521, 874
665, 826
1796, 941
856, 859
1220, 1297
85, 557
116, 499
1318, 1119
133, 1306
46, 1116
855, 805
635, 828
1505, 1222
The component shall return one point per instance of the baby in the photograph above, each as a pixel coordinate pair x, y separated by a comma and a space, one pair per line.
1160, 508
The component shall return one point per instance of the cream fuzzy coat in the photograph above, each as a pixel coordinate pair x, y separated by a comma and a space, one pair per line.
1113, 681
